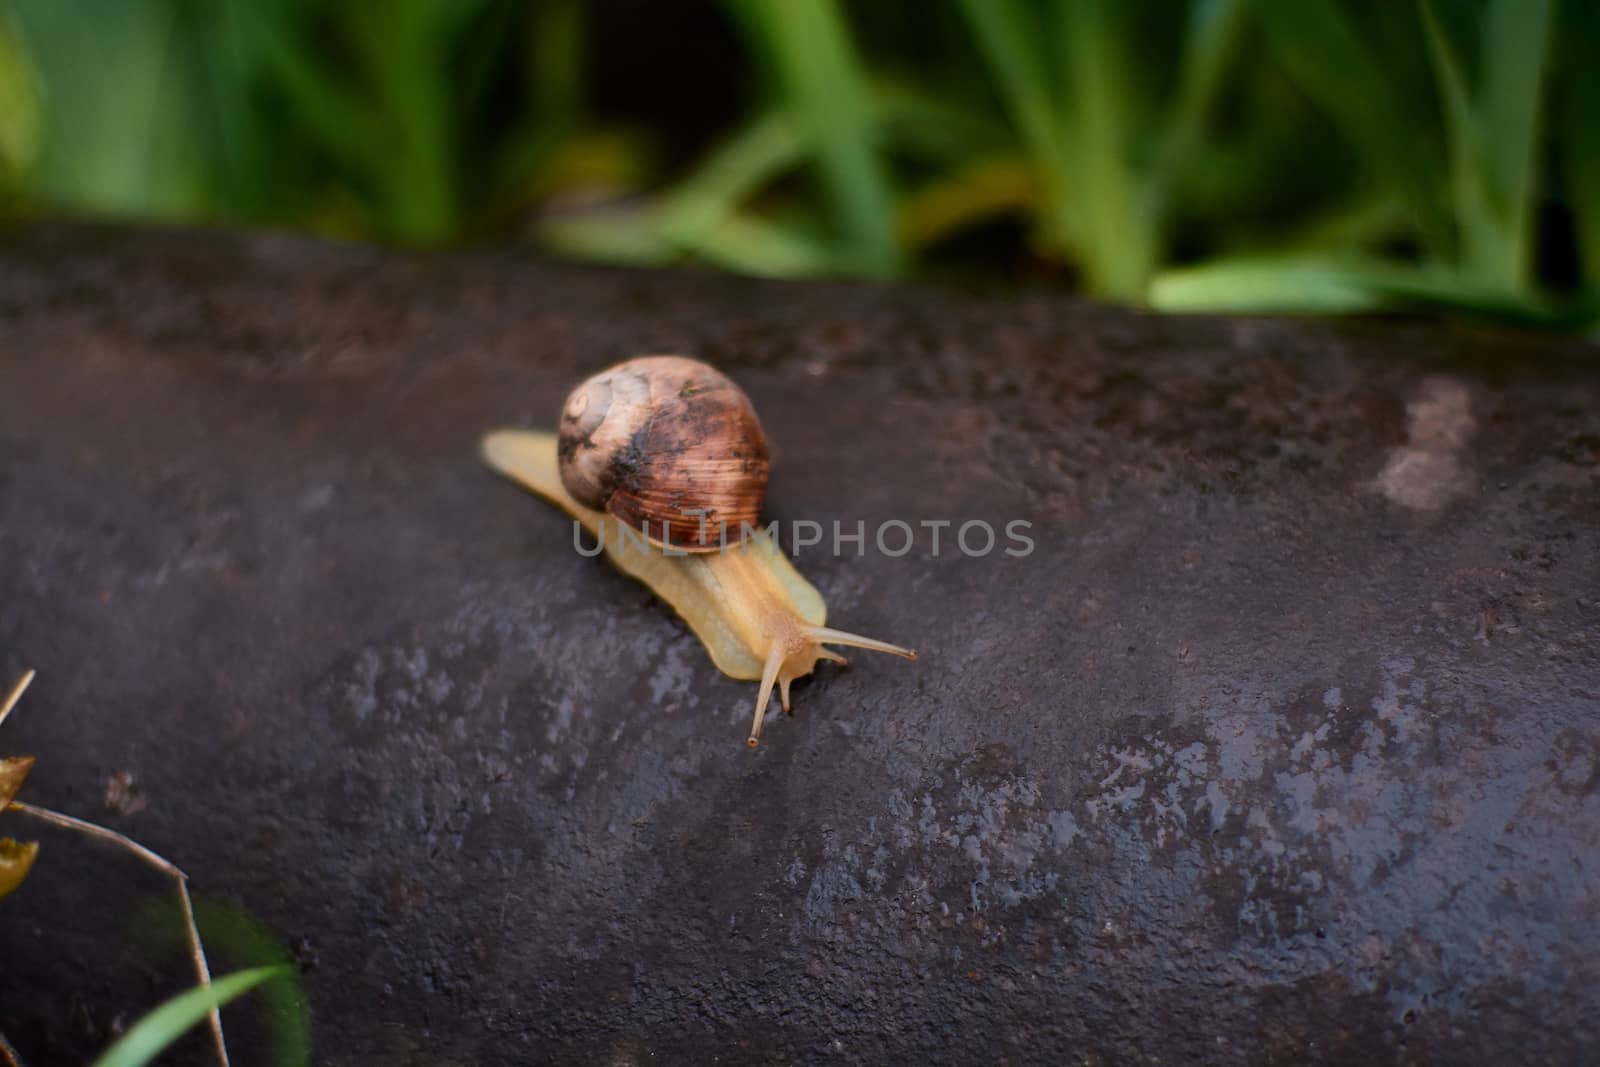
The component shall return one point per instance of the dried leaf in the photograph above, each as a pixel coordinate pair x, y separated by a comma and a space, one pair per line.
16, 860
13, 772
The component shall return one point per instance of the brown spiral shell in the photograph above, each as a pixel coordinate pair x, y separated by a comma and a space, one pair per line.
663, 440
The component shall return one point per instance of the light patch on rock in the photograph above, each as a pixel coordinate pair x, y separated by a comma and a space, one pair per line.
1426, 472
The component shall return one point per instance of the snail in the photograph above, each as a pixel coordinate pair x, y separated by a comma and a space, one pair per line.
671, 448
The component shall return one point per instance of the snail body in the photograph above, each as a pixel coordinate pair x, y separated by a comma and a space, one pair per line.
756, 615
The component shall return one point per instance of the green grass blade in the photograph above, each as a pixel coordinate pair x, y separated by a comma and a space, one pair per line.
1208, 50
985, 189
156, 1031
1117, 239
281, 1008
20, 127
555, 76
1371, 221
923, 127
1264, 285
763, 248
233, 65
1580, 30
120, 135
1321, 50
330, 112
737, 243
740, 166
552, 64
1006, 39
1324, 285
405, 46
1477, 226
825, 91
617, 237
1516, 48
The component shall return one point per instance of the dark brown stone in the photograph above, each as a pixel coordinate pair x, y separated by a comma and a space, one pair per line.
1283, 745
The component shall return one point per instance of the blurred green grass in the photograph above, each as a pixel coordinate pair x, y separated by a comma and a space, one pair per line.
1321, 156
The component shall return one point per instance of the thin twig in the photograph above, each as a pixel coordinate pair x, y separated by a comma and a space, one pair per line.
196, 950
15, 695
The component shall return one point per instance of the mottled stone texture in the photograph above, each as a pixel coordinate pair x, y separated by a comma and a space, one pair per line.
1282, 746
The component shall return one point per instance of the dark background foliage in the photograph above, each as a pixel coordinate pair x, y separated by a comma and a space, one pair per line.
1330, 155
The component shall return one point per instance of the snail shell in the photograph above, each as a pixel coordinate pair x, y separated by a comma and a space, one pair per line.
670, 447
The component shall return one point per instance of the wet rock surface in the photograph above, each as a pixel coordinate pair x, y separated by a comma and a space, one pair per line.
1282, 745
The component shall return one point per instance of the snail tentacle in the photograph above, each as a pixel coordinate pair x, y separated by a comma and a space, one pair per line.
769, 674
840, 637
